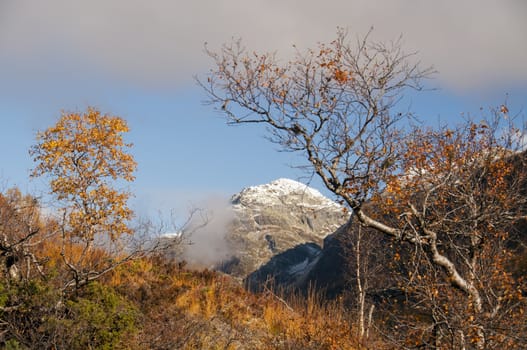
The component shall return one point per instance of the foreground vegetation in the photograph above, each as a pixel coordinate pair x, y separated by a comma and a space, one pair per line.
154, 303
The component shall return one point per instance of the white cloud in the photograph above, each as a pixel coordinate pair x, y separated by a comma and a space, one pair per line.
207, 235
472, 42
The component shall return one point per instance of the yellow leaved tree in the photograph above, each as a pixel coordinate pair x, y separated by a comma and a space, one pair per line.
85, 158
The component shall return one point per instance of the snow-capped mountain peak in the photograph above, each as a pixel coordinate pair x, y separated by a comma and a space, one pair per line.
273, 218
282, 191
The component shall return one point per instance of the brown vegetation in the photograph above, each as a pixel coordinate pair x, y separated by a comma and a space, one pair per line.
154, 303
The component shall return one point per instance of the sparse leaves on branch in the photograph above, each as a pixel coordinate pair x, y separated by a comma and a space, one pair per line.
453, 194
336, 104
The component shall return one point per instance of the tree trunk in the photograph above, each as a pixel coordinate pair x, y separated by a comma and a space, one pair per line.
360, 287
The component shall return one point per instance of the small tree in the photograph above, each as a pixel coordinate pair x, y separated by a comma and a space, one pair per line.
338, 106
85, 157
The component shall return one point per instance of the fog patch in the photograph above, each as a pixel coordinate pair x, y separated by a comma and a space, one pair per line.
205, 235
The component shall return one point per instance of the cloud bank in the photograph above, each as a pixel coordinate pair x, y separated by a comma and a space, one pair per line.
473, 43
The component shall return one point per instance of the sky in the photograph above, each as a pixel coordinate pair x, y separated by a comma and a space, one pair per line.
138, 59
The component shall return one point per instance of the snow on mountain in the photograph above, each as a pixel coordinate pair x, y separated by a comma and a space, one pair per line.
283, 190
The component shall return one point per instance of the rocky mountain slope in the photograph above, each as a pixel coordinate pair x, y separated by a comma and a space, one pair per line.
278, 231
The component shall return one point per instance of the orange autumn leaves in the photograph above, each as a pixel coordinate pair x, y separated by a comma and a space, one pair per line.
84, 155
330, 58
448, 164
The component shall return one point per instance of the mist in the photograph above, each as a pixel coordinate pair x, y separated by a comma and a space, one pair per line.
205, 236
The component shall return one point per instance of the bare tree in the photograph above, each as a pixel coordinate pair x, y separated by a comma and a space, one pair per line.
336, 105
339, 105
22, 229
365, 264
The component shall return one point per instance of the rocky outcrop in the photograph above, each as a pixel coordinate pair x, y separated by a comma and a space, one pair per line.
286, 271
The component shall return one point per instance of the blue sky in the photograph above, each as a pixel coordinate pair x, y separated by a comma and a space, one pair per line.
136, 59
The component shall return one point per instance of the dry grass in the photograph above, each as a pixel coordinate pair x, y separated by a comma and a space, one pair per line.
205, 310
